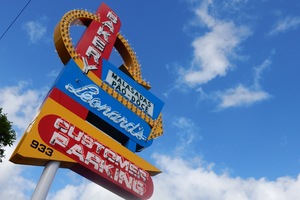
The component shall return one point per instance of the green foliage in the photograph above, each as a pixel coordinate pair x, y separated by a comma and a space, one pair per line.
7, 134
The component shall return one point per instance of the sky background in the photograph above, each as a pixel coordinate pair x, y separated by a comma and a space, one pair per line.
227, 70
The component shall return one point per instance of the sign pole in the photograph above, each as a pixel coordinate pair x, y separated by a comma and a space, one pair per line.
45, 181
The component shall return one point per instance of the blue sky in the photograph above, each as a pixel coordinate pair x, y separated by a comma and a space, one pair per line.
228, 72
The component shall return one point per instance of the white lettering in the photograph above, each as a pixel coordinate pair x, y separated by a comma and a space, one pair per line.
60, 139
92, 52
112, 16
105, 34
93, 159
99, 43
61, 125
109, 25
86, 93
139, 187
91, 153
77, 150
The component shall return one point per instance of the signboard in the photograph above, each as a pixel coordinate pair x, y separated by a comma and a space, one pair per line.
104, 108
96, 116
135, 93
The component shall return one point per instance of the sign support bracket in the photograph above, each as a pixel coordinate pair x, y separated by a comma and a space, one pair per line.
45, 181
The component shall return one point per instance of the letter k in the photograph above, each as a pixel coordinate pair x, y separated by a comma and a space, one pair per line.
87, 67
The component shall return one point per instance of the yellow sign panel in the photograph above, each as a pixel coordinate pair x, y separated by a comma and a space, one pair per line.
33, 150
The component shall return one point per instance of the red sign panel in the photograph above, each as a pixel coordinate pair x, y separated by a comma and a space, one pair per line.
98, 40
91, 153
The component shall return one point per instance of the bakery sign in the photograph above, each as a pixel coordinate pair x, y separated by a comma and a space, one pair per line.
96, 116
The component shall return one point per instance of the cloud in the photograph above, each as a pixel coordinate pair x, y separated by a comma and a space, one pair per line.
13, 184
212, 51
187, 134
213, 56
20, 103
190, 179
36, 29
258, 71
184, 178
242, 95
85, 190
286, 24
54, 73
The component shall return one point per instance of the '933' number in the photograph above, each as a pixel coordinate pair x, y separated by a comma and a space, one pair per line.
41, 148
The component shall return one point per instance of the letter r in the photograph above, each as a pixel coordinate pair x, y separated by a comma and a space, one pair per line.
60, 139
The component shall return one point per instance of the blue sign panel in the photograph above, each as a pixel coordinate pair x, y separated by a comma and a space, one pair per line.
73, 82
126, 86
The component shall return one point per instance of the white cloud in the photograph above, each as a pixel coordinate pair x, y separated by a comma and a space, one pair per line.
212, 51
187, 133
20, 103
241, 96
258, 71
190, 179
185, 179
36, 29
54, 73
245, 96
286, 24
181, 179
13, 184
86, 190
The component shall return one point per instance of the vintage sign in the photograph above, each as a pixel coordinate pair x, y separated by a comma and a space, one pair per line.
96, 116
38, 146
104, 108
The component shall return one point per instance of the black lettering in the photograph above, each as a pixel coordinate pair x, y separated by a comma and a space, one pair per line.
145, 101
114, 83
133, 98
114, 76
118, 88
123, 83
132, 90
124, 91
127, 87
42, 148
136, 94
119, 80
34, 144
138, 102
49, 152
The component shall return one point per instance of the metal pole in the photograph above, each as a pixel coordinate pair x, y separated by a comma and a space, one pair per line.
44, 184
